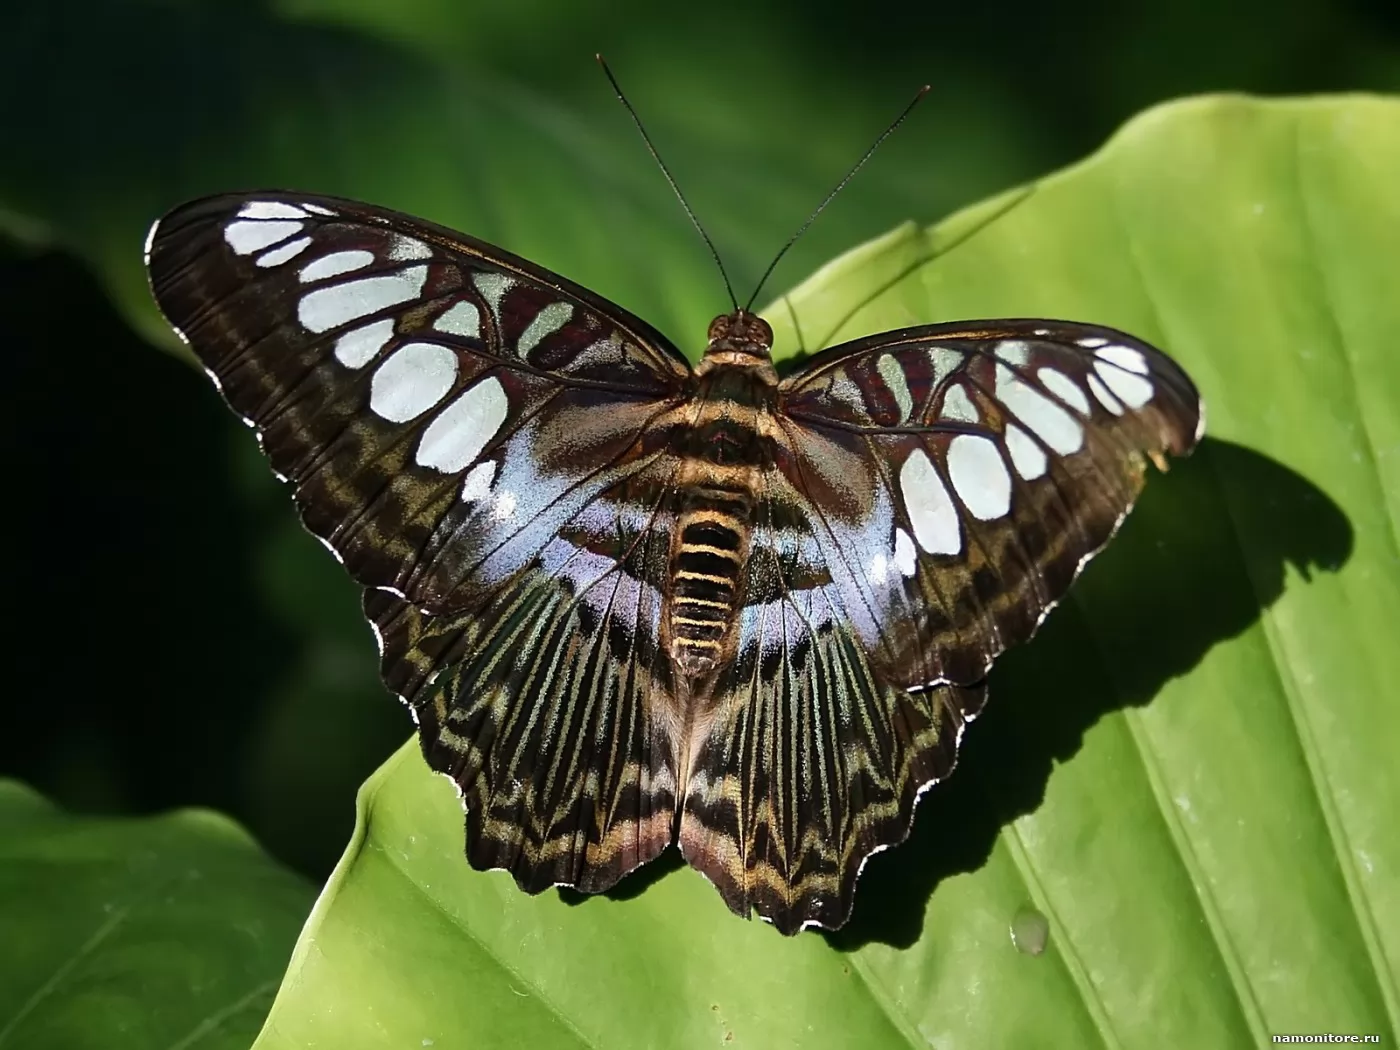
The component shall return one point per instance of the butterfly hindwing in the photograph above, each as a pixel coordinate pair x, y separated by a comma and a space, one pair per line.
543, 707
549, 704
813, 760
810, 757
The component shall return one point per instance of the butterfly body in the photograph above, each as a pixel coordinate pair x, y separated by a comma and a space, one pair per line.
633, 603
724, 445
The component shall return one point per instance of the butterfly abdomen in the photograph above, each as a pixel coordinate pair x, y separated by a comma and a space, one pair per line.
722, 453
707, 555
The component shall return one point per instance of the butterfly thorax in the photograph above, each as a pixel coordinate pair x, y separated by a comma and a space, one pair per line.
722, 452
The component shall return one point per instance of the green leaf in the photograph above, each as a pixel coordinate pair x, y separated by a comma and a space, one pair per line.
158, 932
1190, 773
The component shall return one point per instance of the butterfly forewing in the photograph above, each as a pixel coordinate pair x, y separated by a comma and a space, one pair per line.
632, 603
551, 704
982, 465
390, 366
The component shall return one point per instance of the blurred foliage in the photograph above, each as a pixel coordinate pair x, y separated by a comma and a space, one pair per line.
220, 656
169, 931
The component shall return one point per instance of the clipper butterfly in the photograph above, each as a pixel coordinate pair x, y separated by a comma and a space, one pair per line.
634, 603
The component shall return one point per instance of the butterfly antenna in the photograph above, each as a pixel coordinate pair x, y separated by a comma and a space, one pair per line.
670, 179
831, 196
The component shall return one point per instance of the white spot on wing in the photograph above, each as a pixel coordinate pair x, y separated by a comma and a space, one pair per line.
477, 485
1065, 388
316, 209
896, 383
1103, 397
844, 389
1132, 390
412, 380
879, 568
460, 319
1124, 372
403, 249
326, 307
150, 239
271, 210
931, 510
1014, 351
1055, 426
904, 556
327, 544
1091, 342
290, 250
493, 287
1027, 457
549, 320
957, 405
980, 476
333, 264
944, 360
461, 430
1124, 357
357, 347
505, 506
253, 235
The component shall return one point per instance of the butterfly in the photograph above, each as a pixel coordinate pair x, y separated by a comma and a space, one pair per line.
633, 602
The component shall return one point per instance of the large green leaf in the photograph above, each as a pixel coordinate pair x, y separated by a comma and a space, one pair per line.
1190, 773
166, 932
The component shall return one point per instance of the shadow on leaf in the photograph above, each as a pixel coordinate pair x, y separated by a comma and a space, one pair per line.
635, 884
1204, 552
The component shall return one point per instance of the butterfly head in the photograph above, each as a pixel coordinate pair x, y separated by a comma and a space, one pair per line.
739, 338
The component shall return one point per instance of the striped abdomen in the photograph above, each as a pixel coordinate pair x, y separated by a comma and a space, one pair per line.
707, 557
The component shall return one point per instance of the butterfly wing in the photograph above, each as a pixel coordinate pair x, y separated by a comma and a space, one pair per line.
385, 363
812, 757
966, 473
544, 705
468, 434
934, 493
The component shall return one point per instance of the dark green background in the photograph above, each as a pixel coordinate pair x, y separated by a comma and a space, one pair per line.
175, 639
